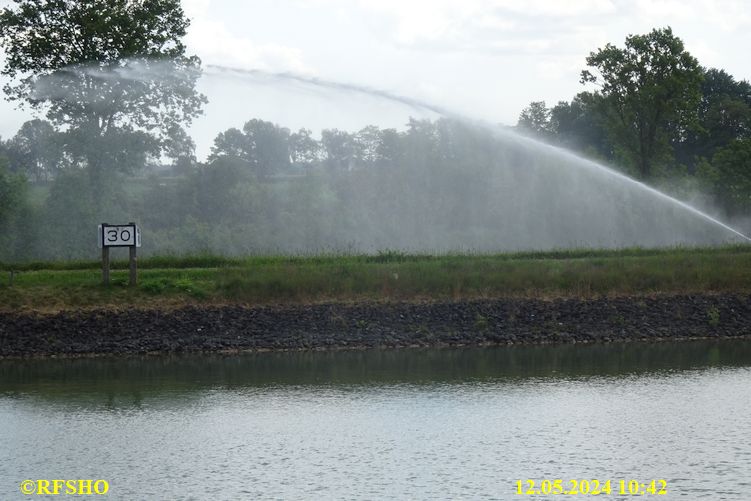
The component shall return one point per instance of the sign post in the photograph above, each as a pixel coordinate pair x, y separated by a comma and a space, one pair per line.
106, 265
119, 235
133, 266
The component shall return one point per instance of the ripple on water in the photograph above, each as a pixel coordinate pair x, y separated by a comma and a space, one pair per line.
398, 438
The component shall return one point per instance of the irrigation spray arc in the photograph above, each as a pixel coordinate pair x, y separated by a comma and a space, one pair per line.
254, 74
496, 191
418, 104
640, 185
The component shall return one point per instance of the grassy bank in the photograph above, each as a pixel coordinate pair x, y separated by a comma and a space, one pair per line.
166, 281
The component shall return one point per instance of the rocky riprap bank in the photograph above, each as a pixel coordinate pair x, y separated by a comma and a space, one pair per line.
371, 325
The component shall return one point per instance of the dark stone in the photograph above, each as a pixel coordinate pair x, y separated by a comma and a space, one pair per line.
368, 325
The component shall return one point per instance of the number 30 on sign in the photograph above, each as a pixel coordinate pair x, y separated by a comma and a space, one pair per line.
119, 235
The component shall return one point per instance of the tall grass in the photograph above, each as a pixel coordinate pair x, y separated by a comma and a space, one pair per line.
387, 275
205, 260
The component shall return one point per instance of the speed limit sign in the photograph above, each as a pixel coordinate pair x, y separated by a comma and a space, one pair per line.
119, 235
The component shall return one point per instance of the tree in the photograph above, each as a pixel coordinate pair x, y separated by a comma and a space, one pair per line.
36, 150
263, 146
230, 143
112, 73
4, 148
180, 148
724, 115
535, 119
650, 90
303, 149
730, 176
390, 147
12, 202
270, 144
368, 141
578, 126
11, 191
340, 149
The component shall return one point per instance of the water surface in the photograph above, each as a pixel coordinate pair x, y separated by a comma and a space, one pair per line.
418, 424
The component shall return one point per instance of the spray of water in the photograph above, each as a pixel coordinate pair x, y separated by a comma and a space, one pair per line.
589, 164
418, 104
487, 189
254, 74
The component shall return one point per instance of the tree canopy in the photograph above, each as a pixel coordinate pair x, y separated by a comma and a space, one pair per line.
730, 176
35, 150
112, 73
535, 118
649, 86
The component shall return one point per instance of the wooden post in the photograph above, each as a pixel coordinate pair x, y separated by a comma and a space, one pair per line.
133, 265
105, 265
132, 259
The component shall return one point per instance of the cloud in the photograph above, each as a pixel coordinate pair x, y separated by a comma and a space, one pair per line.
214, 43
558, 68
492, 23
726, 15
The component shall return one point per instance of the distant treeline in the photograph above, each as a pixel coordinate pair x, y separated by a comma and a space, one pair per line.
436, 186
39, 153
263, 189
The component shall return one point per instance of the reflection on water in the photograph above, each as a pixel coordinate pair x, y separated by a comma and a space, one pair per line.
423, 424
136, 377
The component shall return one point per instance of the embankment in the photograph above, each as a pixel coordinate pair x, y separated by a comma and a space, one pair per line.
375, 325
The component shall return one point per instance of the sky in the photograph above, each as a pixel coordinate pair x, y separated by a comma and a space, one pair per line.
486, 59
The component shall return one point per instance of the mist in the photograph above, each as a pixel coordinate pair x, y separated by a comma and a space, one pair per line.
438, 182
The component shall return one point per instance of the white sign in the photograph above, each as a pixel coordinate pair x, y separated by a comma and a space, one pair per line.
119, 235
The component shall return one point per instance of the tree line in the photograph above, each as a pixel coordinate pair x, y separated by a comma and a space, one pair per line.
37, 152
344, 191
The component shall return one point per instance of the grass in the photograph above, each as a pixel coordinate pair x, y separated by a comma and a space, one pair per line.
176, 280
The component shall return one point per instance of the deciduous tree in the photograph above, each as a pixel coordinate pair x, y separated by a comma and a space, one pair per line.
649, 86
535, 119
112, 73
724, 115
36, 150
730, 176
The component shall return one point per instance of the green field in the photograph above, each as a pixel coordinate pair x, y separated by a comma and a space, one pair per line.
175, 281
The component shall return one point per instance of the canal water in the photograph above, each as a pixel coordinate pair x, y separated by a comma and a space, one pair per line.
398, 424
